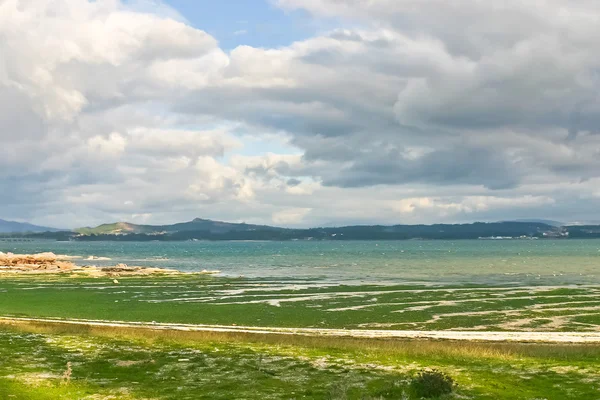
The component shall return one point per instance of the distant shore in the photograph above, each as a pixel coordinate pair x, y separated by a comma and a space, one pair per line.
207, 230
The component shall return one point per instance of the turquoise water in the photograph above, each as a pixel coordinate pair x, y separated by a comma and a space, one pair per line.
539, 262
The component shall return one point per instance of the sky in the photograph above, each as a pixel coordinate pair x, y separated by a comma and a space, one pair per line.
299, 112
252, 23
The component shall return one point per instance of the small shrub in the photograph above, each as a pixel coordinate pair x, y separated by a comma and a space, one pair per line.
432, 383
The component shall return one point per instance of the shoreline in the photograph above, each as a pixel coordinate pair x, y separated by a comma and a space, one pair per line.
468, 336
52, 264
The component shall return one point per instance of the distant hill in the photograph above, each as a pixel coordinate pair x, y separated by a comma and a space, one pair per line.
203, 229
20, 227
118, 228
584, 231
197, 225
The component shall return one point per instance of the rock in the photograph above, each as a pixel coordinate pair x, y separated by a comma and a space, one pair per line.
50, 263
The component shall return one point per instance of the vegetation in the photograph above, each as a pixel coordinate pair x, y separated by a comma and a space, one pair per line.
197, 226
113, 229
142, 364
59, 361
432, 383
302, 303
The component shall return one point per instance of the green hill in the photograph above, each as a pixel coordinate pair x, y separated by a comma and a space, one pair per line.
197, 225
118, 228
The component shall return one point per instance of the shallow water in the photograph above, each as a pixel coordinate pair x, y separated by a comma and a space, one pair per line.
531, 262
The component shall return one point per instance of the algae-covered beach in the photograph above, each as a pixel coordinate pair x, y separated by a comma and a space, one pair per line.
137, 333
199, 299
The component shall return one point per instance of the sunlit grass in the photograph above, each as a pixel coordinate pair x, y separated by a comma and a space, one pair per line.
408, 348
133, 362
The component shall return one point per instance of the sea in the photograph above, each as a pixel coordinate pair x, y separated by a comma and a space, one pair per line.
488, 262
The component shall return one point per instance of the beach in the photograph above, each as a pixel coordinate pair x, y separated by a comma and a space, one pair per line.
313, 319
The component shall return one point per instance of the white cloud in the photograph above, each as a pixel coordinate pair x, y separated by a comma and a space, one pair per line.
411, 111
467, 204
291, 216
114, 145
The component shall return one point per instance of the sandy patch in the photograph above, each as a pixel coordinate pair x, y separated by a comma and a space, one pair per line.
547, 337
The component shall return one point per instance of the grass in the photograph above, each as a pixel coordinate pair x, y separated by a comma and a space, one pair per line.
301, 303
130, 363
141, 364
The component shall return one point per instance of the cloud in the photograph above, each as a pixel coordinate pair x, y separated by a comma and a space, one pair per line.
292, 216
407, 111
85, 90
361, 97
518, 63
468, 204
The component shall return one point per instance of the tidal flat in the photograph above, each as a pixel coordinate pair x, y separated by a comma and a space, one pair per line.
301, 303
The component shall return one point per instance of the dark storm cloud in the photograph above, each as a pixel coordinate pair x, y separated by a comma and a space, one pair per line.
473, 166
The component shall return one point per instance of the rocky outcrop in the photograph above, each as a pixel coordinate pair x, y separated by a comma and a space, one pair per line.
50, 263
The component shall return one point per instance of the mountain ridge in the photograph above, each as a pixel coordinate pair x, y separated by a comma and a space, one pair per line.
23, 227
203, 229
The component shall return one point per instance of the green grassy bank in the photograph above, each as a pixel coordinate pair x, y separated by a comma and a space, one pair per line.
112, 363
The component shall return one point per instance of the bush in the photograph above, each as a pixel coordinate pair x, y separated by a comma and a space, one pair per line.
432, 383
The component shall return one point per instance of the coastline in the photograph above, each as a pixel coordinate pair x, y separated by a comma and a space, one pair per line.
52, 264
470, 336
